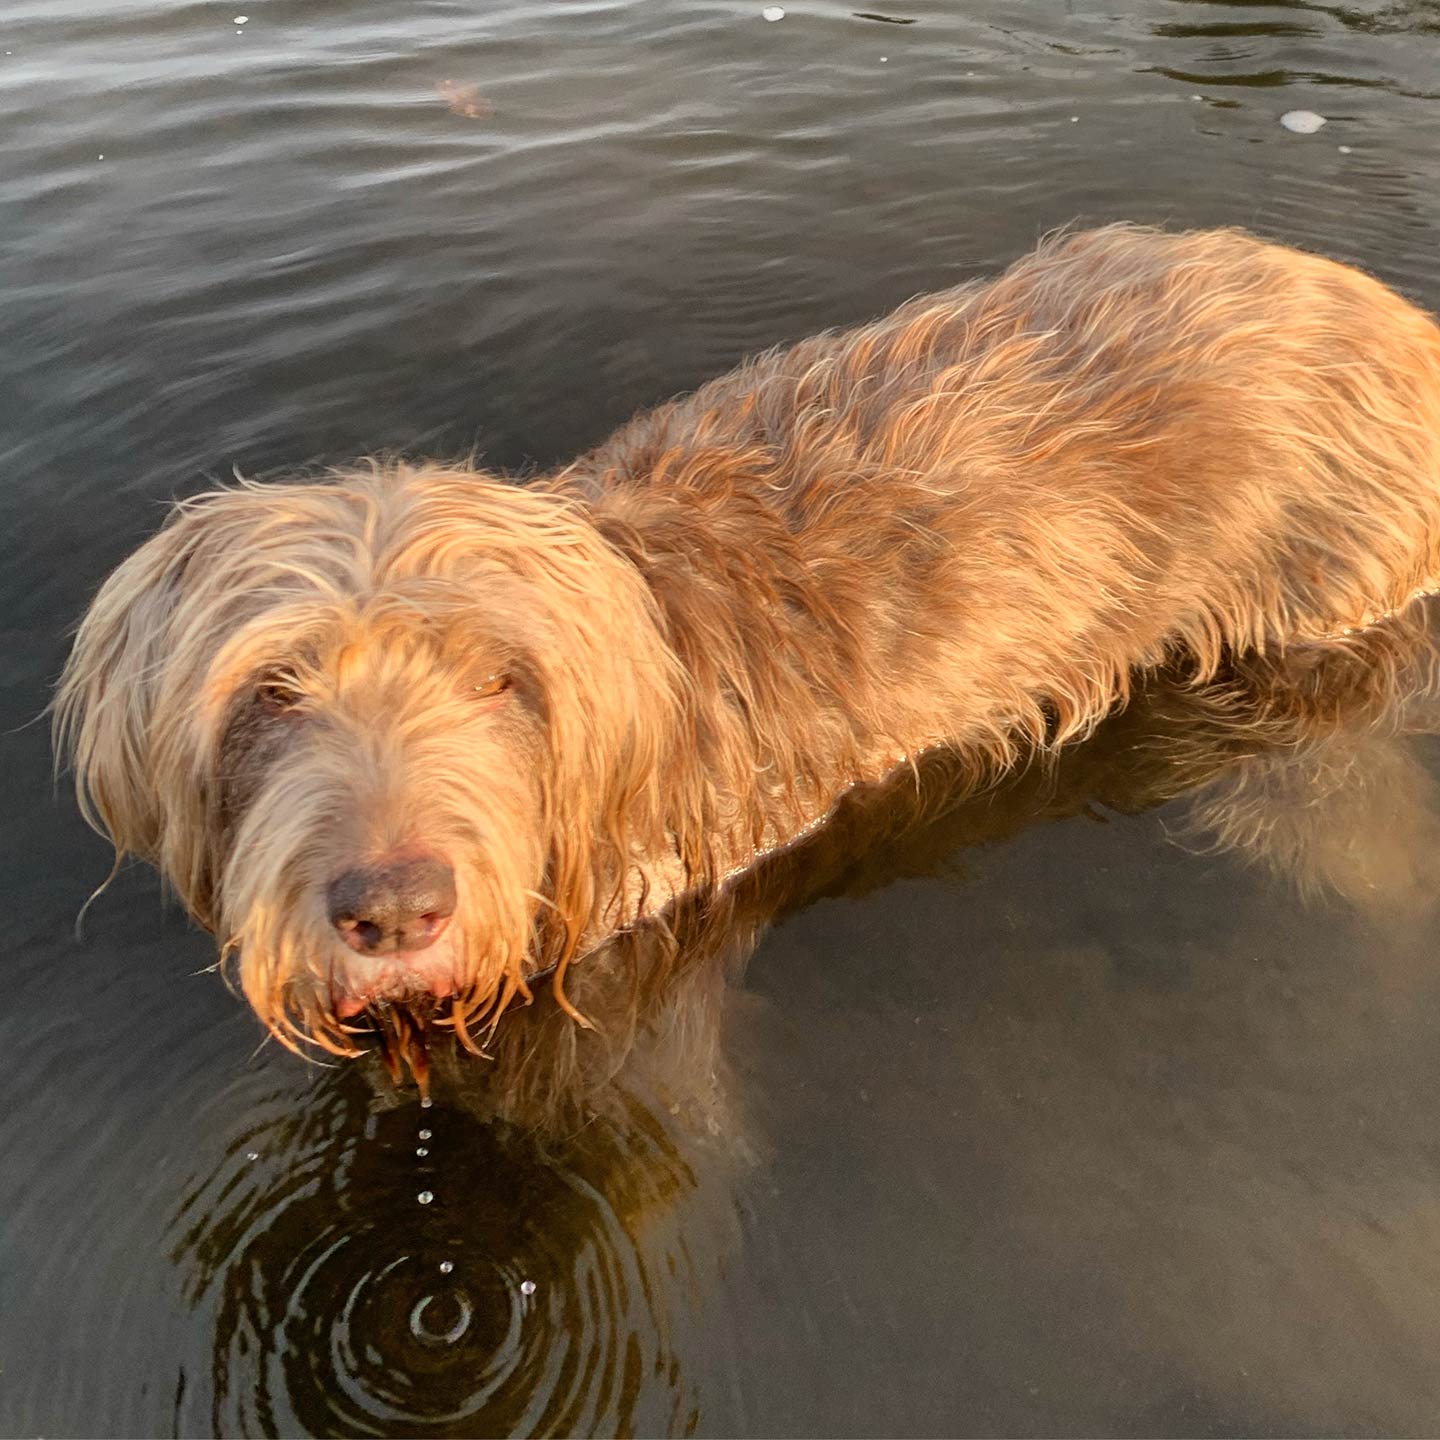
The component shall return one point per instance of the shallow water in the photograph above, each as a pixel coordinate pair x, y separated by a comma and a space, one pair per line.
1029, 1127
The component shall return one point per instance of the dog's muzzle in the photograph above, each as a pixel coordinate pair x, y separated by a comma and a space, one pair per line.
392, 914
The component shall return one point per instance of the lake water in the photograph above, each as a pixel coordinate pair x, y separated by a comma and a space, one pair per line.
1034, 1124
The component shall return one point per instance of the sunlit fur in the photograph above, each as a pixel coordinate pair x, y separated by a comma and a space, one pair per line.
970, 523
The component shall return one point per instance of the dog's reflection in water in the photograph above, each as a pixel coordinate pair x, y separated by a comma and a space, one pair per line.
522, 1258
1306, 765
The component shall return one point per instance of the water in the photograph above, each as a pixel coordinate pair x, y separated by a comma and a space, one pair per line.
1033, 1127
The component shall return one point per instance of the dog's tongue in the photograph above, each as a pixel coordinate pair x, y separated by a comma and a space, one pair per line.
391, 979
348, 1006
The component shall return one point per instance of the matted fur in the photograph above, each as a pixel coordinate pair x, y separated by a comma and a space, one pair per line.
970, 523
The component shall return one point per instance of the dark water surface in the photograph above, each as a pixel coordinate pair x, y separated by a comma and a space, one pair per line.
1068, 1127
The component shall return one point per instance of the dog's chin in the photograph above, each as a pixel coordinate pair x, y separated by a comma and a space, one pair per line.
418, 980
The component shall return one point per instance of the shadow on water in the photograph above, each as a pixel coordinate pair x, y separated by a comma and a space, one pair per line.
393, 1269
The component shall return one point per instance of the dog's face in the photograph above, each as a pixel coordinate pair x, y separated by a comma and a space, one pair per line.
393, 738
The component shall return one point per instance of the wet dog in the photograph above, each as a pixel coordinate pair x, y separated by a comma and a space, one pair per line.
410, 738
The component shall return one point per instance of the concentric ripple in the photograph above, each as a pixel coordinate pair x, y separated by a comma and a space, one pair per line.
518, 1301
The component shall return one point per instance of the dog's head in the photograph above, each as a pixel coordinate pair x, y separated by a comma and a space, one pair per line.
396, 738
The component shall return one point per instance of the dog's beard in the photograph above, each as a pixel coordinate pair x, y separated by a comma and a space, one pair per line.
404, 1034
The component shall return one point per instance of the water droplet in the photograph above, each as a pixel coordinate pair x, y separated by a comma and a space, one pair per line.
253, 1155
425, 1134
426, 1102
774, 12
422, 1150
1302, 122
1345, 150
446, 1266
527, 1287
241, 19
425, 1196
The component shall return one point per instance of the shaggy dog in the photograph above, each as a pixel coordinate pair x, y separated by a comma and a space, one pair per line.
408, 739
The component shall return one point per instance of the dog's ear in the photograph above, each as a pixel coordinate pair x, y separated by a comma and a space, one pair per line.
610, 687
110, 698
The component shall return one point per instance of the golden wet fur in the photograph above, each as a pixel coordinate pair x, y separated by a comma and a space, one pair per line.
970, 523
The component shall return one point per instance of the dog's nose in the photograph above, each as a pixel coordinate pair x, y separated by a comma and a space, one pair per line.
394, 905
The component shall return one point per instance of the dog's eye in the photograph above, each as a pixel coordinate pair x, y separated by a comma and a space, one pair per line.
491, 686
277, 696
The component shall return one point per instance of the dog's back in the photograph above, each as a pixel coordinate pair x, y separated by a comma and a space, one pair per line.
1129, 444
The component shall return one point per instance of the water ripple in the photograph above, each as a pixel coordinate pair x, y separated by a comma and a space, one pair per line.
478, 1288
